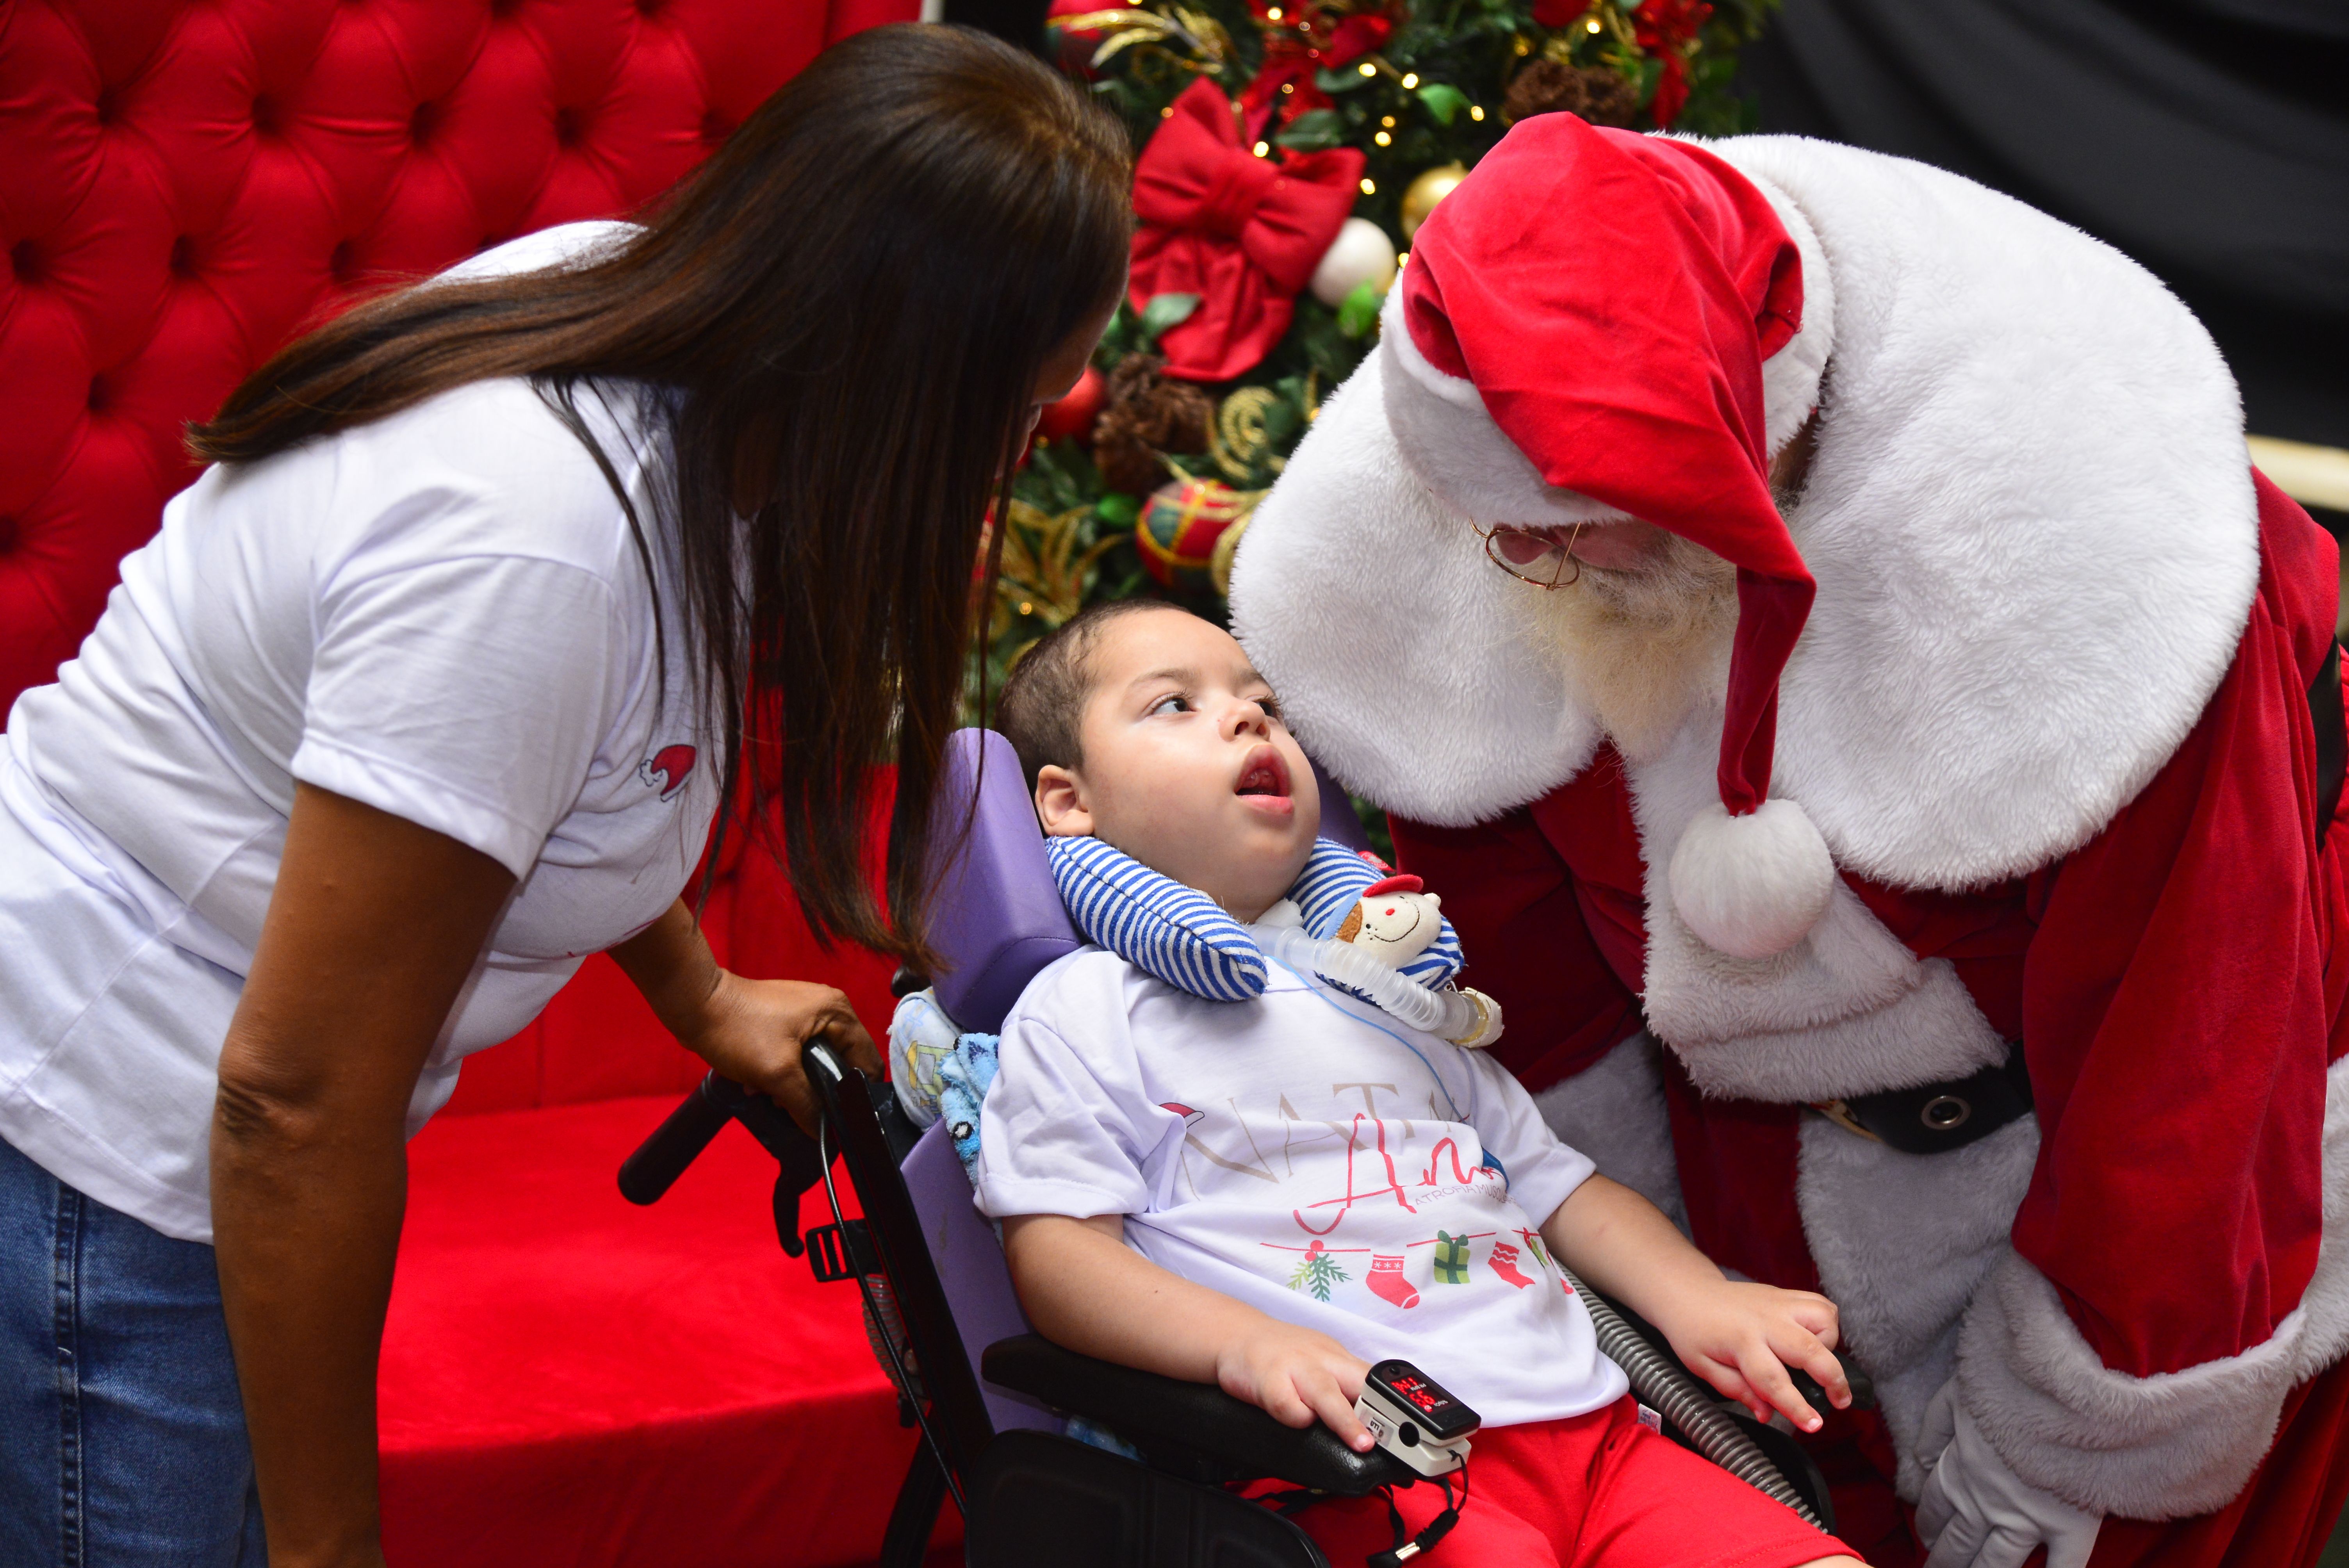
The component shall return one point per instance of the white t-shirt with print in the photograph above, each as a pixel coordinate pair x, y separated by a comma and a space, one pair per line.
1308, 1155
442, 615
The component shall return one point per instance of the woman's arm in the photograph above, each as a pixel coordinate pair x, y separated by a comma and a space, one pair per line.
752, 1031
1737, 1336
1084, 1289
373, 928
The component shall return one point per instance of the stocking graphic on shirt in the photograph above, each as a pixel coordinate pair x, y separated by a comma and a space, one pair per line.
1505, 1264
1451, 1258
1386, 1281
1317, 1272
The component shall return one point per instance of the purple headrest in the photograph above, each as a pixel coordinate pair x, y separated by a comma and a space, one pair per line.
998, 920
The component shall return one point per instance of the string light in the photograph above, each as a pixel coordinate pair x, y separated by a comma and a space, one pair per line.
1274, 14
1370, 187
1387, 121
1592, 25
1288, 87
1410, 81
1384, 139
1026, 608
1262, 148
1475, 111
1368, 70
1166, 113
1402, 261
1521, 46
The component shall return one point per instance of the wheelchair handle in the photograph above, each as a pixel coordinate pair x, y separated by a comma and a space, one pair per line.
649, 1172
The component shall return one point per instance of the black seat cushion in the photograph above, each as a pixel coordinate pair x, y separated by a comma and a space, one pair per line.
1035, 1499
1168, 1418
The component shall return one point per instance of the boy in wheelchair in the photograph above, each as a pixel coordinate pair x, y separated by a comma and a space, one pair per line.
1274, 1194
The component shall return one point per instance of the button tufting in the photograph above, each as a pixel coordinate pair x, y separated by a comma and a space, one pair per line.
172, 337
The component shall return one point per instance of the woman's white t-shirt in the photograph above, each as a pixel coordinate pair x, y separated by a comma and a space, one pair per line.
1308, 1155
442, 615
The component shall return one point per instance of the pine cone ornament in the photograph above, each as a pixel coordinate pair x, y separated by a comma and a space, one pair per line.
1594, 92
1147, 415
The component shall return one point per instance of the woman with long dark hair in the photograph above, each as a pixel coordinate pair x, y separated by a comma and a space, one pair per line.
431, 685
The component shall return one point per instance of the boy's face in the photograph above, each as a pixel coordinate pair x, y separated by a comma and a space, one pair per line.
1188, 768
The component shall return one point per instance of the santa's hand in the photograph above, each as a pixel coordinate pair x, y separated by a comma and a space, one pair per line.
1977, 1513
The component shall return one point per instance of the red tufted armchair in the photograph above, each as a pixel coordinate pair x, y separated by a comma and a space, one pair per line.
183, 185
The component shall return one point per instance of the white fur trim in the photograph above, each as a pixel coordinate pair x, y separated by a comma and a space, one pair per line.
2163, 1447
1751, 886
1613, 1112
2030, 517
1466, 706
1901, 1241
1847, 1010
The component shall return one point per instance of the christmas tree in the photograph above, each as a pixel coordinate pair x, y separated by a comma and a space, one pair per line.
1287, 153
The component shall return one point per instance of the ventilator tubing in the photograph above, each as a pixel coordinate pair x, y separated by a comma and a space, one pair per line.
1664, 1387
1445, 1014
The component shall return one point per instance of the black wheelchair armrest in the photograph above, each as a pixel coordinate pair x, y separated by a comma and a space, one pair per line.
1192, 1420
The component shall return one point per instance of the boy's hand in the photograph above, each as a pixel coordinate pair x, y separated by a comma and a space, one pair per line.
1295, 1375
1741, 1337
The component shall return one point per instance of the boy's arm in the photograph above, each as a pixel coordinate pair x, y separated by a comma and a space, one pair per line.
1739, 1337
1085, 1290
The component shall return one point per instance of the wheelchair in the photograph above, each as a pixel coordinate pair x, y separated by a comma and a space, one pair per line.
990, 1397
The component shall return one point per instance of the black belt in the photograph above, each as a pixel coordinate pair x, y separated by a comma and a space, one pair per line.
1936, 1118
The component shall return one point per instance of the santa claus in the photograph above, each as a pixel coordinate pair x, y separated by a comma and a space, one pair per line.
1877, 736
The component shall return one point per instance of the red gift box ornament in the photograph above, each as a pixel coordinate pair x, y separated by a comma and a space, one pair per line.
1242, 233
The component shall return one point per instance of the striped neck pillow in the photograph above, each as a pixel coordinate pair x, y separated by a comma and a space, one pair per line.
1180, 935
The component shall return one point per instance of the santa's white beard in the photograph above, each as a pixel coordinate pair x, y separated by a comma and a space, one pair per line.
1643, 645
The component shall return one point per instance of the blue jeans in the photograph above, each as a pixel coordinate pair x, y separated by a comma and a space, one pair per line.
122, 1433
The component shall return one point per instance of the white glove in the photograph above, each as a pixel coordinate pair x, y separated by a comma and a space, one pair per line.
1977, 1513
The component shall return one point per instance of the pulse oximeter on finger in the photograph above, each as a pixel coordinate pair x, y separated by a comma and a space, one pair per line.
1414, 1419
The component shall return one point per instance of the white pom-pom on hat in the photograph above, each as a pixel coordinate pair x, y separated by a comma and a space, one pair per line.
1752, 886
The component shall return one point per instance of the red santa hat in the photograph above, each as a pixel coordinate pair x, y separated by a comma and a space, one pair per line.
1608, 302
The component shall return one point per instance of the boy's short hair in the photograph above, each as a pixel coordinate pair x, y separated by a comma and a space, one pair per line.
1041, 711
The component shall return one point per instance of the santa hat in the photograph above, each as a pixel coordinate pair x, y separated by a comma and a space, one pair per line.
1402, 882
1591, 312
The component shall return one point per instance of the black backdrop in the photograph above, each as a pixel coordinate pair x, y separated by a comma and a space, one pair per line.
2207, 138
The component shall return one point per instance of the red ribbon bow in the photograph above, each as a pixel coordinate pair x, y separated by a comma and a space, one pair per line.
1242, 233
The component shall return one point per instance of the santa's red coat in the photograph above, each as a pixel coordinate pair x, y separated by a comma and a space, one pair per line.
2180, 988
2051, 714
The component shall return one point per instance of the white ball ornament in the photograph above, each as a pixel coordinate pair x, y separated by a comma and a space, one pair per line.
1362, 253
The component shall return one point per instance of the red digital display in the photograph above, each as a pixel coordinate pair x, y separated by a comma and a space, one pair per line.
1422, 1394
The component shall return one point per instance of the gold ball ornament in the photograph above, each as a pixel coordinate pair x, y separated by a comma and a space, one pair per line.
1431, 187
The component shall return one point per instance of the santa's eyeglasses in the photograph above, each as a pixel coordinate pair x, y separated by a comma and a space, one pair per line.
1534, 557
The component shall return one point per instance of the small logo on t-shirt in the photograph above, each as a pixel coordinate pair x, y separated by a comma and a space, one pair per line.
666, 770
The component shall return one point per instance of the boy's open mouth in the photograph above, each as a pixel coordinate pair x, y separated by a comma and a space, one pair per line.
1264, 773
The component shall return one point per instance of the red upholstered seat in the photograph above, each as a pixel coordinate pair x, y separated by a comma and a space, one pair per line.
182, 187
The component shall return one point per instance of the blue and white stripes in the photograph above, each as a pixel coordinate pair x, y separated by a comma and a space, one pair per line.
1155, 923
1179, 934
